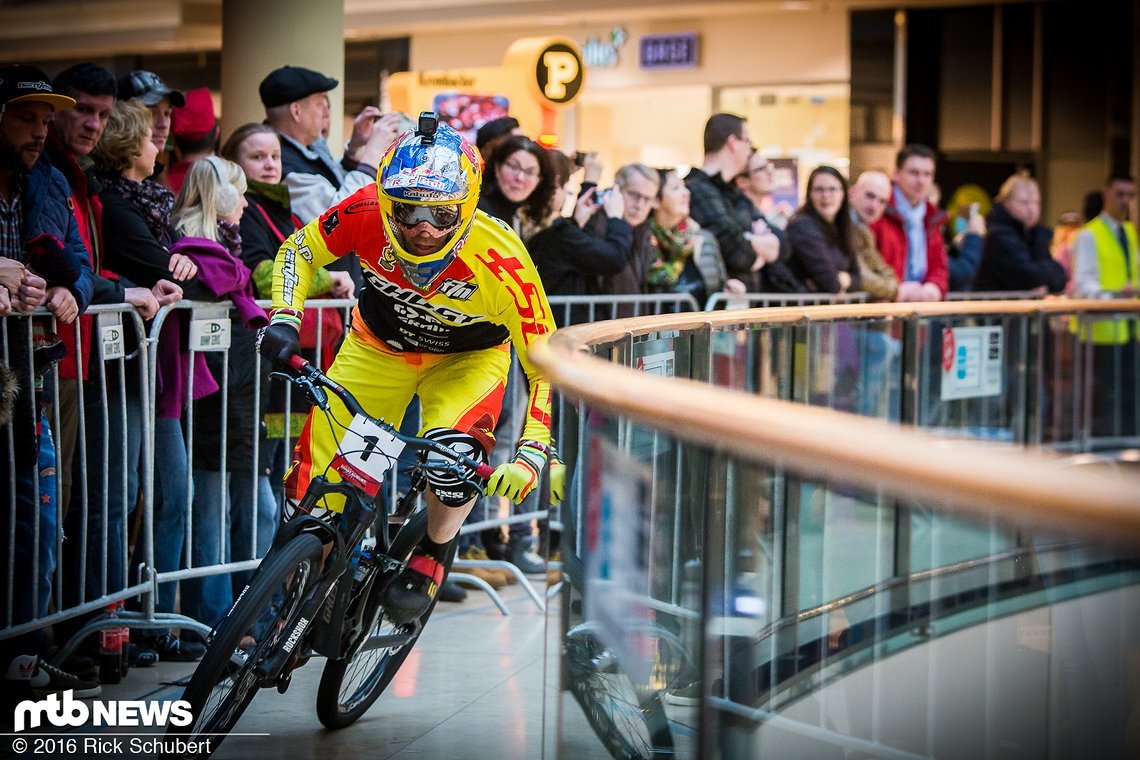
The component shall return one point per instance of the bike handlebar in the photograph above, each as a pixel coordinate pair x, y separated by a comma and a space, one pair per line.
304, 369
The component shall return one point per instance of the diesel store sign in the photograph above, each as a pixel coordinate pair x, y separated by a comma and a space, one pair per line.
669, 51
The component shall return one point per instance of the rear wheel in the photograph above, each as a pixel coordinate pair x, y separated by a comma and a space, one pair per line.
350, 685
226, 680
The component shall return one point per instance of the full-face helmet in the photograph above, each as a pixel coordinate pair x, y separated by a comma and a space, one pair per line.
428, 187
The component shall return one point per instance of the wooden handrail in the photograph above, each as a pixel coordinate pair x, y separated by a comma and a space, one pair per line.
1018, 486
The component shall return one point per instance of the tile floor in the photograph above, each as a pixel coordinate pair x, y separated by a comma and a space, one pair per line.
472, 688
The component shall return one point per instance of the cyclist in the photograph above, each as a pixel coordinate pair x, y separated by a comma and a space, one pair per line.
448, 290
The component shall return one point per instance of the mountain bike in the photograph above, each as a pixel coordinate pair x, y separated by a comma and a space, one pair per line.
626, 713
300, 602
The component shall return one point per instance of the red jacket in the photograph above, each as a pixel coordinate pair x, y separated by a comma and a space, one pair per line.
88, 217
890, 237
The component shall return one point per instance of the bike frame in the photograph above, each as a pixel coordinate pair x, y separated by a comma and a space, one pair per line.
323, 616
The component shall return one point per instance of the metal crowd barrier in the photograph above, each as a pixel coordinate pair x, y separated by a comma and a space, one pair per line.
113, 555
95, 531
994, 295
764, 300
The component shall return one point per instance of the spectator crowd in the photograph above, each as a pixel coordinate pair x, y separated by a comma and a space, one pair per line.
122, 192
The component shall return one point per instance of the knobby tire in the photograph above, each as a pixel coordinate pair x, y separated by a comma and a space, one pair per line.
250, 634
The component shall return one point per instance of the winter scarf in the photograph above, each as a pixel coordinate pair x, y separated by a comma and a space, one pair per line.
913, 218
673, 248
154, 200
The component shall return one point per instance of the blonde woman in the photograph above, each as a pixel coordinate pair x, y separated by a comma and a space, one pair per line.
1016, 252
230, 488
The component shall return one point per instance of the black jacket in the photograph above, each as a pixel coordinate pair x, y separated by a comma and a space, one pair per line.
570, 260
720, 208
631, 279
132, 250
264, 222
775, 276
1014, 258
493, 202
817, 259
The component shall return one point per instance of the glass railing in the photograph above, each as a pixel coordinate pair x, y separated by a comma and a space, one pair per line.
754, 567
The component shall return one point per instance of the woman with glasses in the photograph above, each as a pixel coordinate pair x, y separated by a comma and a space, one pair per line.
523, 186
520, 196
686, 258
823, 256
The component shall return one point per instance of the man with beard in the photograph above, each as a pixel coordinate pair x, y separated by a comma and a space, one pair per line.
40, 241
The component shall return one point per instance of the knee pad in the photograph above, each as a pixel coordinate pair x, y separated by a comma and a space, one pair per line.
450, 490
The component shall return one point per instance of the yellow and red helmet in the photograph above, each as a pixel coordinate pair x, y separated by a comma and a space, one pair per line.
430, 175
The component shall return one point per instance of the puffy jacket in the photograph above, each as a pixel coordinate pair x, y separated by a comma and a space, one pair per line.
890, 238
47, 210
1016, 258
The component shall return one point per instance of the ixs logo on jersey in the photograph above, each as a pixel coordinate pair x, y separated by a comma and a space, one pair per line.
65, 711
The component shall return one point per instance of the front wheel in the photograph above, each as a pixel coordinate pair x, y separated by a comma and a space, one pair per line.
629, 719
350, 685
227, 679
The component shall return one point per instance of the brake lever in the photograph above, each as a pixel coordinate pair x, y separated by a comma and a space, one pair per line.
312, 391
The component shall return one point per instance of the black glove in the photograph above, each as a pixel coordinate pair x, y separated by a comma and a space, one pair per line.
278, 343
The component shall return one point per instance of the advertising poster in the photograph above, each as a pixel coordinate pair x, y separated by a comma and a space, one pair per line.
785, 190
617, 532
971, 362
465, 112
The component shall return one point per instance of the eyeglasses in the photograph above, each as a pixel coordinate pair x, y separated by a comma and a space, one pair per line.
528, 173
763, 168
636, 197
412, 215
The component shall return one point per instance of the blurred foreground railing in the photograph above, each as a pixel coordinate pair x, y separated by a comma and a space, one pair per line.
749, 577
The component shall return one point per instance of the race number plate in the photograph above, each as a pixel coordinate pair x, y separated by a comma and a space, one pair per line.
369, 448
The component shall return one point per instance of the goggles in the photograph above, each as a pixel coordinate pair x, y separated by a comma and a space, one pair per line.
412, 215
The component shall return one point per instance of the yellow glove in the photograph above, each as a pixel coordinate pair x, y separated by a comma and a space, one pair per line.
518, 477
557, 478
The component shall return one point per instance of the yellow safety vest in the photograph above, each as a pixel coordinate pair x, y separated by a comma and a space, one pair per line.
1113, 276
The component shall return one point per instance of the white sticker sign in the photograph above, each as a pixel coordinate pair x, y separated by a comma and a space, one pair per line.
111, 336
971, 362
370, 448
210, 334
657, 364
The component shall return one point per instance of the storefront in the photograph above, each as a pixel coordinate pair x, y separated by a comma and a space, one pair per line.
649, 85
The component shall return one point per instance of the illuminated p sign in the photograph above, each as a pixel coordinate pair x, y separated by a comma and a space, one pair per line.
559, 73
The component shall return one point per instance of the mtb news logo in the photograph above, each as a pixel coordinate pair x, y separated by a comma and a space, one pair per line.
66, 711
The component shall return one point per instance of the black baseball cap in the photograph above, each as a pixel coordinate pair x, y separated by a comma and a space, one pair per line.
494, 129
27, 84
149, 88
291, 83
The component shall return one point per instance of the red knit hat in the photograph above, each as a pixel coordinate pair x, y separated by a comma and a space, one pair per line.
194, 120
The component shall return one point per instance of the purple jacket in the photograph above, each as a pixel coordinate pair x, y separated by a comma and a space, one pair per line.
224, 276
